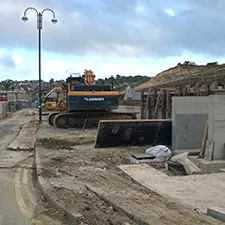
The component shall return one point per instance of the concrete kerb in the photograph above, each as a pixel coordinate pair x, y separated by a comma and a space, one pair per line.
136, 219
217, 212
75, 219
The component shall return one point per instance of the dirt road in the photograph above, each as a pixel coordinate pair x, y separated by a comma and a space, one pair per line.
88, 182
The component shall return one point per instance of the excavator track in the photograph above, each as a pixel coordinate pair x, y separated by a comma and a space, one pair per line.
85, 120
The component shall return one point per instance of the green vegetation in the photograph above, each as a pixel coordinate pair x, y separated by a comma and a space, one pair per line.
121, 82
6, 85
118, 81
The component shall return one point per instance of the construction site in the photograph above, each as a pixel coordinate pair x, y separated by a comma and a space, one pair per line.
157, 157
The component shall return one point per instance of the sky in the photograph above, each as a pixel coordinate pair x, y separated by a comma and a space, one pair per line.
126, 37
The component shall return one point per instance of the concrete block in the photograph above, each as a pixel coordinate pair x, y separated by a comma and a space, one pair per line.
209, 150
206, 166
217, 213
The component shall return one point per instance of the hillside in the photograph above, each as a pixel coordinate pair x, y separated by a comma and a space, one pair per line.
118, 81
179, 71
121, 82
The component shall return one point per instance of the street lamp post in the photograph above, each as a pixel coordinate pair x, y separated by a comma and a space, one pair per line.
39, 27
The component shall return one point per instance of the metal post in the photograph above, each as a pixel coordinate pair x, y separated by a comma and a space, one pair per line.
39, 26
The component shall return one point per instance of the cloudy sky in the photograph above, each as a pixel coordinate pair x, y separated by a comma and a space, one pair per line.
127, 37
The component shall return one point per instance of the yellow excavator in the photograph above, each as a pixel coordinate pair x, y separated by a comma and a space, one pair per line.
55, 100
86, 103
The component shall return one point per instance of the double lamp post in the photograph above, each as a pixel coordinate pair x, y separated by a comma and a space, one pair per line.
39, 27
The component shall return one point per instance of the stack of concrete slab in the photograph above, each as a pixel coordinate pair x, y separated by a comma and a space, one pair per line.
3, 110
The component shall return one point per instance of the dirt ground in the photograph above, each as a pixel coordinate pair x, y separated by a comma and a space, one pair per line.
88, 182
196, 191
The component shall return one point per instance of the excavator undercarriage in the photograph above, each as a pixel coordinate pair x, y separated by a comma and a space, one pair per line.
85, 120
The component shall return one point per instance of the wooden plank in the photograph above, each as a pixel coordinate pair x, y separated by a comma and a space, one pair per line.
148, 104
133, 133
153, 101
156, 106
163, 104
204, 139
168, 105
143, 156
142, 104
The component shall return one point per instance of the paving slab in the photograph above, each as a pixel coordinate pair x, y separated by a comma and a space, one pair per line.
9, 130
13, 159
26, 139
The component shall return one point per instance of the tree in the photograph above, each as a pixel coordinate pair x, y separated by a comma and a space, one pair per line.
6, 84
118, 76
51, 81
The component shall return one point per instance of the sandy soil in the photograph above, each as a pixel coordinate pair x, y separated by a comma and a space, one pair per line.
81, 178
196, 191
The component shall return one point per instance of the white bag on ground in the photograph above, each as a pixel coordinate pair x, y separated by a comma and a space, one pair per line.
159, 151
188, 165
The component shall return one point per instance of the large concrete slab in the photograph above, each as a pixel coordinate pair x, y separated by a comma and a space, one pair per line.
133, 133
196, 191
189, 115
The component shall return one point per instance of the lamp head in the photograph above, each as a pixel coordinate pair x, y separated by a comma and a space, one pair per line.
54, 20
24, 18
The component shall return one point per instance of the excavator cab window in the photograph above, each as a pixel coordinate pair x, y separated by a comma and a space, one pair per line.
75, 87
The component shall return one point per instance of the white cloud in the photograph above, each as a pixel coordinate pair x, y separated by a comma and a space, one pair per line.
17, 58
170, 12
112, 31
140, 9
126, 49
54, 66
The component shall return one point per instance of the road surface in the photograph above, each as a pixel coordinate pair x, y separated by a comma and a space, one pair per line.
18, 196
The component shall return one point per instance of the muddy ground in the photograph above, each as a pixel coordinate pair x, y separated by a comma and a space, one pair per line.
77, 172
